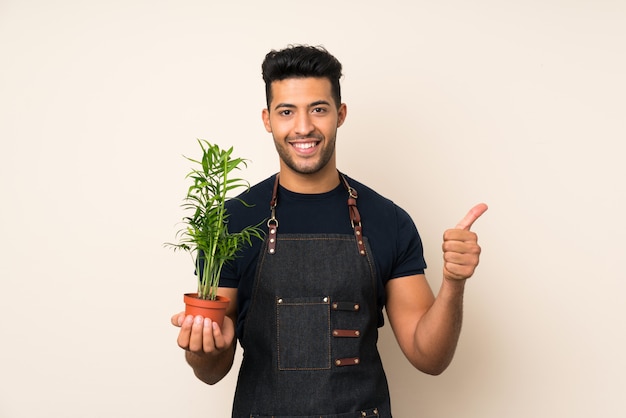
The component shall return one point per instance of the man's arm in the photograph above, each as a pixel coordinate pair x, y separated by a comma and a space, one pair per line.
428, 328
209, 350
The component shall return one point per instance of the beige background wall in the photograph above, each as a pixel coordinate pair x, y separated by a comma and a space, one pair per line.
518, 104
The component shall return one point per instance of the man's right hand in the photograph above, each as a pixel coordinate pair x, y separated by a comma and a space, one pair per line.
209, 348
202, 336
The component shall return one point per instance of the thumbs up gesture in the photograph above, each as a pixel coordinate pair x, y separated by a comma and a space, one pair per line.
461, 251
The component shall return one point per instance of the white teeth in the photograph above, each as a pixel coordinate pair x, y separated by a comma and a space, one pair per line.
304, 145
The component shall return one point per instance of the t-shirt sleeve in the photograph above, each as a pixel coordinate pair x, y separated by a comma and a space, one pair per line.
410, 253
228, 278
246, 210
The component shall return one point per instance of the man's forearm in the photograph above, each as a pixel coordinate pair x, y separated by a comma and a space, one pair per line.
438, 331
211, 369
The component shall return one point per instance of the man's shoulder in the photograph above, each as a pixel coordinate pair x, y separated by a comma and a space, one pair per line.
372, 202
255, 193
366, 193
252, 203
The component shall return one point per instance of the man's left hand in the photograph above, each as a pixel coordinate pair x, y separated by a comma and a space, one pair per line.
461, 251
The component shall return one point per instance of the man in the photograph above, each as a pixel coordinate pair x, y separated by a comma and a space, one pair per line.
307, 302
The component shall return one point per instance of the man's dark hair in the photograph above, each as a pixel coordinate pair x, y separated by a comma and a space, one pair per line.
299, 61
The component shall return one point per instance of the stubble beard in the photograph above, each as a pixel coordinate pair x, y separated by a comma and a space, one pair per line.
282, 147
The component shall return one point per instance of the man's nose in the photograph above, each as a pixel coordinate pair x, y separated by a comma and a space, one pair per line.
303, 124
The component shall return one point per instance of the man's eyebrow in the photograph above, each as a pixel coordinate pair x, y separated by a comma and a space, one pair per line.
288, 105
291, 106
319, 102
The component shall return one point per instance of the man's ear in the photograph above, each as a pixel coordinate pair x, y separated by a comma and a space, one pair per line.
342, 112
265, 115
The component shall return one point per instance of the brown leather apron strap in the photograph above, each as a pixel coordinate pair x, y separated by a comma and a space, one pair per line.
272, 223
355, 216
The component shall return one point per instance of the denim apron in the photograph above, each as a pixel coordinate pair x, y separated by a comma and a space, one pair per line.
311, 330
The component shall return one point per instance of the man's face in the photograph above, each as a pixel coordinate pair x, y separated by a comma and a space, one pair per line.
303, 119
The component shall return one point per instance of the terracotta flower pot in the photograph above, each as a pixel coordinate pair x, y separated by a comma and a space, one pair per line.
212, 309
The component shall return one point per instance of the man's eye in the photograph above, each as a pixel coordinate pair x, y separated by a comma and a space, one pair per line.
319, 110
285, 112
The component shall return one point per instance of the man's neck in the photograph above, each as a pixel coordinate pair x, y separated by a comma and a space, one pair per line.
321, 182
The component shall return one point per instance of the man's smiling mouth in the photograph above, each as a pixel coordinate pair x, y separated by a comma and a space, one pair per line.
304, 145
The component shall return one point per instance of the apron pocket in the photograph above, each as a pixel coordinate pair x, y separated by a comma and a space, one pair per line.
303, 333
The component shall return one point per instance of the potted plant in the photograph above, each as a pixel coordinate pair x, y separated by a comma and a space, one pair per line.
205, 235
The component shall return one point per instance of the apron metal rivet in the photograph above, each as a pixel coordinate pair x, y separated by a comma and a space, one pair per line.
356, 307
280, 301
338, 362
356, 361
272, 251
325, 299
